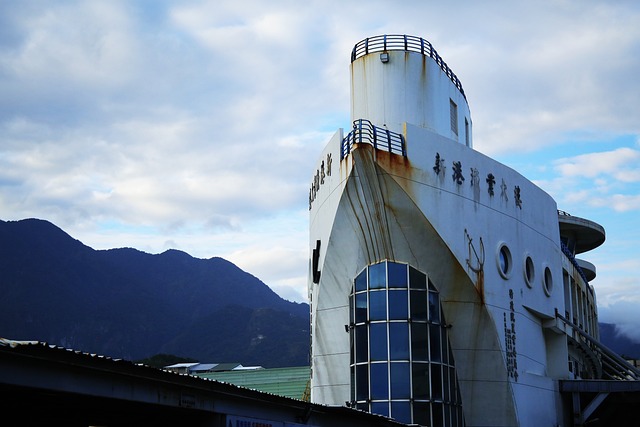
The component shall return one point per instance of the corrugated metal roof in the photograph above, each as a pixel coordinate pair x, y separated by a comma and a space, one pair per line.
67, 364
288, 382
192, 367
225, 366
182, 365
202, 367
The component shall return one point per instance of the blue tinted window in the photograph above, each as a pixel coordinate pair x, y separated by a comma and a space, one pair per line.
398, 305
362, 382
399, 349
353, 376
420, 378
434, 307
380, 408
418, 305
445, 383
363, 407
378, 335
419, 343
361, 281
436, 412
362, 344
378, 305
436, 382
417, 279
421, 414
351, 311
400, 380
401, 411
397, 275
352, 353
434, 342
379, 381
452, 384
505, 265
455, 416
361, 308
378, 276
399, 341
447, 415
444, 345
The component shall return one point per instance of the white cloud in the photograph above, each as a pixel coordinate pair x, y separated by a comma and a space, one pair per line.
99, 49
198, 124
601, 179
277, 265
623, 313
564, 69
622, 164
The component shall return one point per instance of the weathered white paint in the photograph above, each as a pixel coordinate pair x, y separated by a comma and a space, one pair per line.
376, 205
409, 88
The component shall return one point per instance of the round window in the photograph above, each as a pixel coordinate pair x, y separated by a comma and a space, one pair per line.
529, 271
547, 281
504, 261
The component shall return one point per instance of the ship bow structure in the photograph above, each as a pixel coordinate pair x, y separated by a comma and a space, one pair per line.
444, 286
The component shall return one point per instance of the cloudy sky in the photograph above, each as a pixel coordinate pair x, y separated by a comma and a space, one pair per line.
196, 125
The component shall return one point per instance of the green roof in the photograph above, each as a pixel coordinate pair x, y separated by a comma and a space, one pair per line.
287, 382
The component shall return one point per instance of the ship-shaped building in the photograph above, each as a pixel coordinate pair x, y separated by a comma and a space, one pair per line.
445, 287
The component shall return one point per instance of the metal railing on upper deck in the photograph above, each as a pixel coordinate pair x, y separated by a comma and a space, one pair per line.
407, 43
382, 139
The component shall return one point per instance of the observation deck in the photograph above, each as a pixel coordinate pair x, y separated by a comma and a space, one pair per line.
365, 132
397, 79
581, 235
588, 269
387, 42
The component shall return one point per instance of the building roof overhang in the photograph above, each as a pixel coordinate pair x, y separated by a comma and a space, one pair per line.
587, 234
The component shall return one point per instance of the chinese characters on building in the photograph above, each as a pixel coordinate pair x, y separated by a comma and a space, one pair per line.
510, 339
318, 179
474, 175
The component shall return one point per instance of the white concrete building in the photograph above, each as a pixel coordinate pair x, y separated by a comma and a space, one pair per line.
444, 287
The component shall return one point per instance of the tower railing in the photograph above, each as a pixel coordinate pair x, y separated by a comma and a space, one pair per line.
407, 43
364, 131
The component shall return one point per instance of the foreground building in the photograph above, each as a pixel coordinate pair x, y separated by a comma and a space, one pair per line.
43, 384
444, 286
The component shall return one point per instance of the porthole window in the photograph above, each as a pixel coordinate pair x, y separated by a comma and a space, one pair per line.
547, 281
529, 271
504, 261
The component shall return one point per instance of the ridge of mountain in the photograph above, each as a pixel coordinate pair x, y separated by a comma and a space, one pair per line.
125, 303
129, 304
618, 342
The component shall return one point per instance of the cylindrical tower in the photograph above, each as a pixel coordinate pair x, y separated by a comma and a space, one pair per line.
399, 78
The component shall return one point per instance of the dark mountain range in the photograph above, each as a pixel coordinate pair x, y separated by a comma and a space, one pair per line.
128, 304
124, 303
619, 343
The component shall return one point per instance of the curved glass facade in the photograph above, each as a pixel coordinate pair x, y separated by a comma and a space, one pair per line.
401, 363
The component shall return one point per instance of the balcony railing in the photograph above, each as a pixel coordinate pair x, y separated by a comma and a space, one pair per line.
567, 252
364, 132
607, 364
407, 43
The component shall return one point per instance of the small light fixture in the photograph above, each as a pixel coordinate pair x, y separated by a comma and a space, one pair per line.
384, 57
